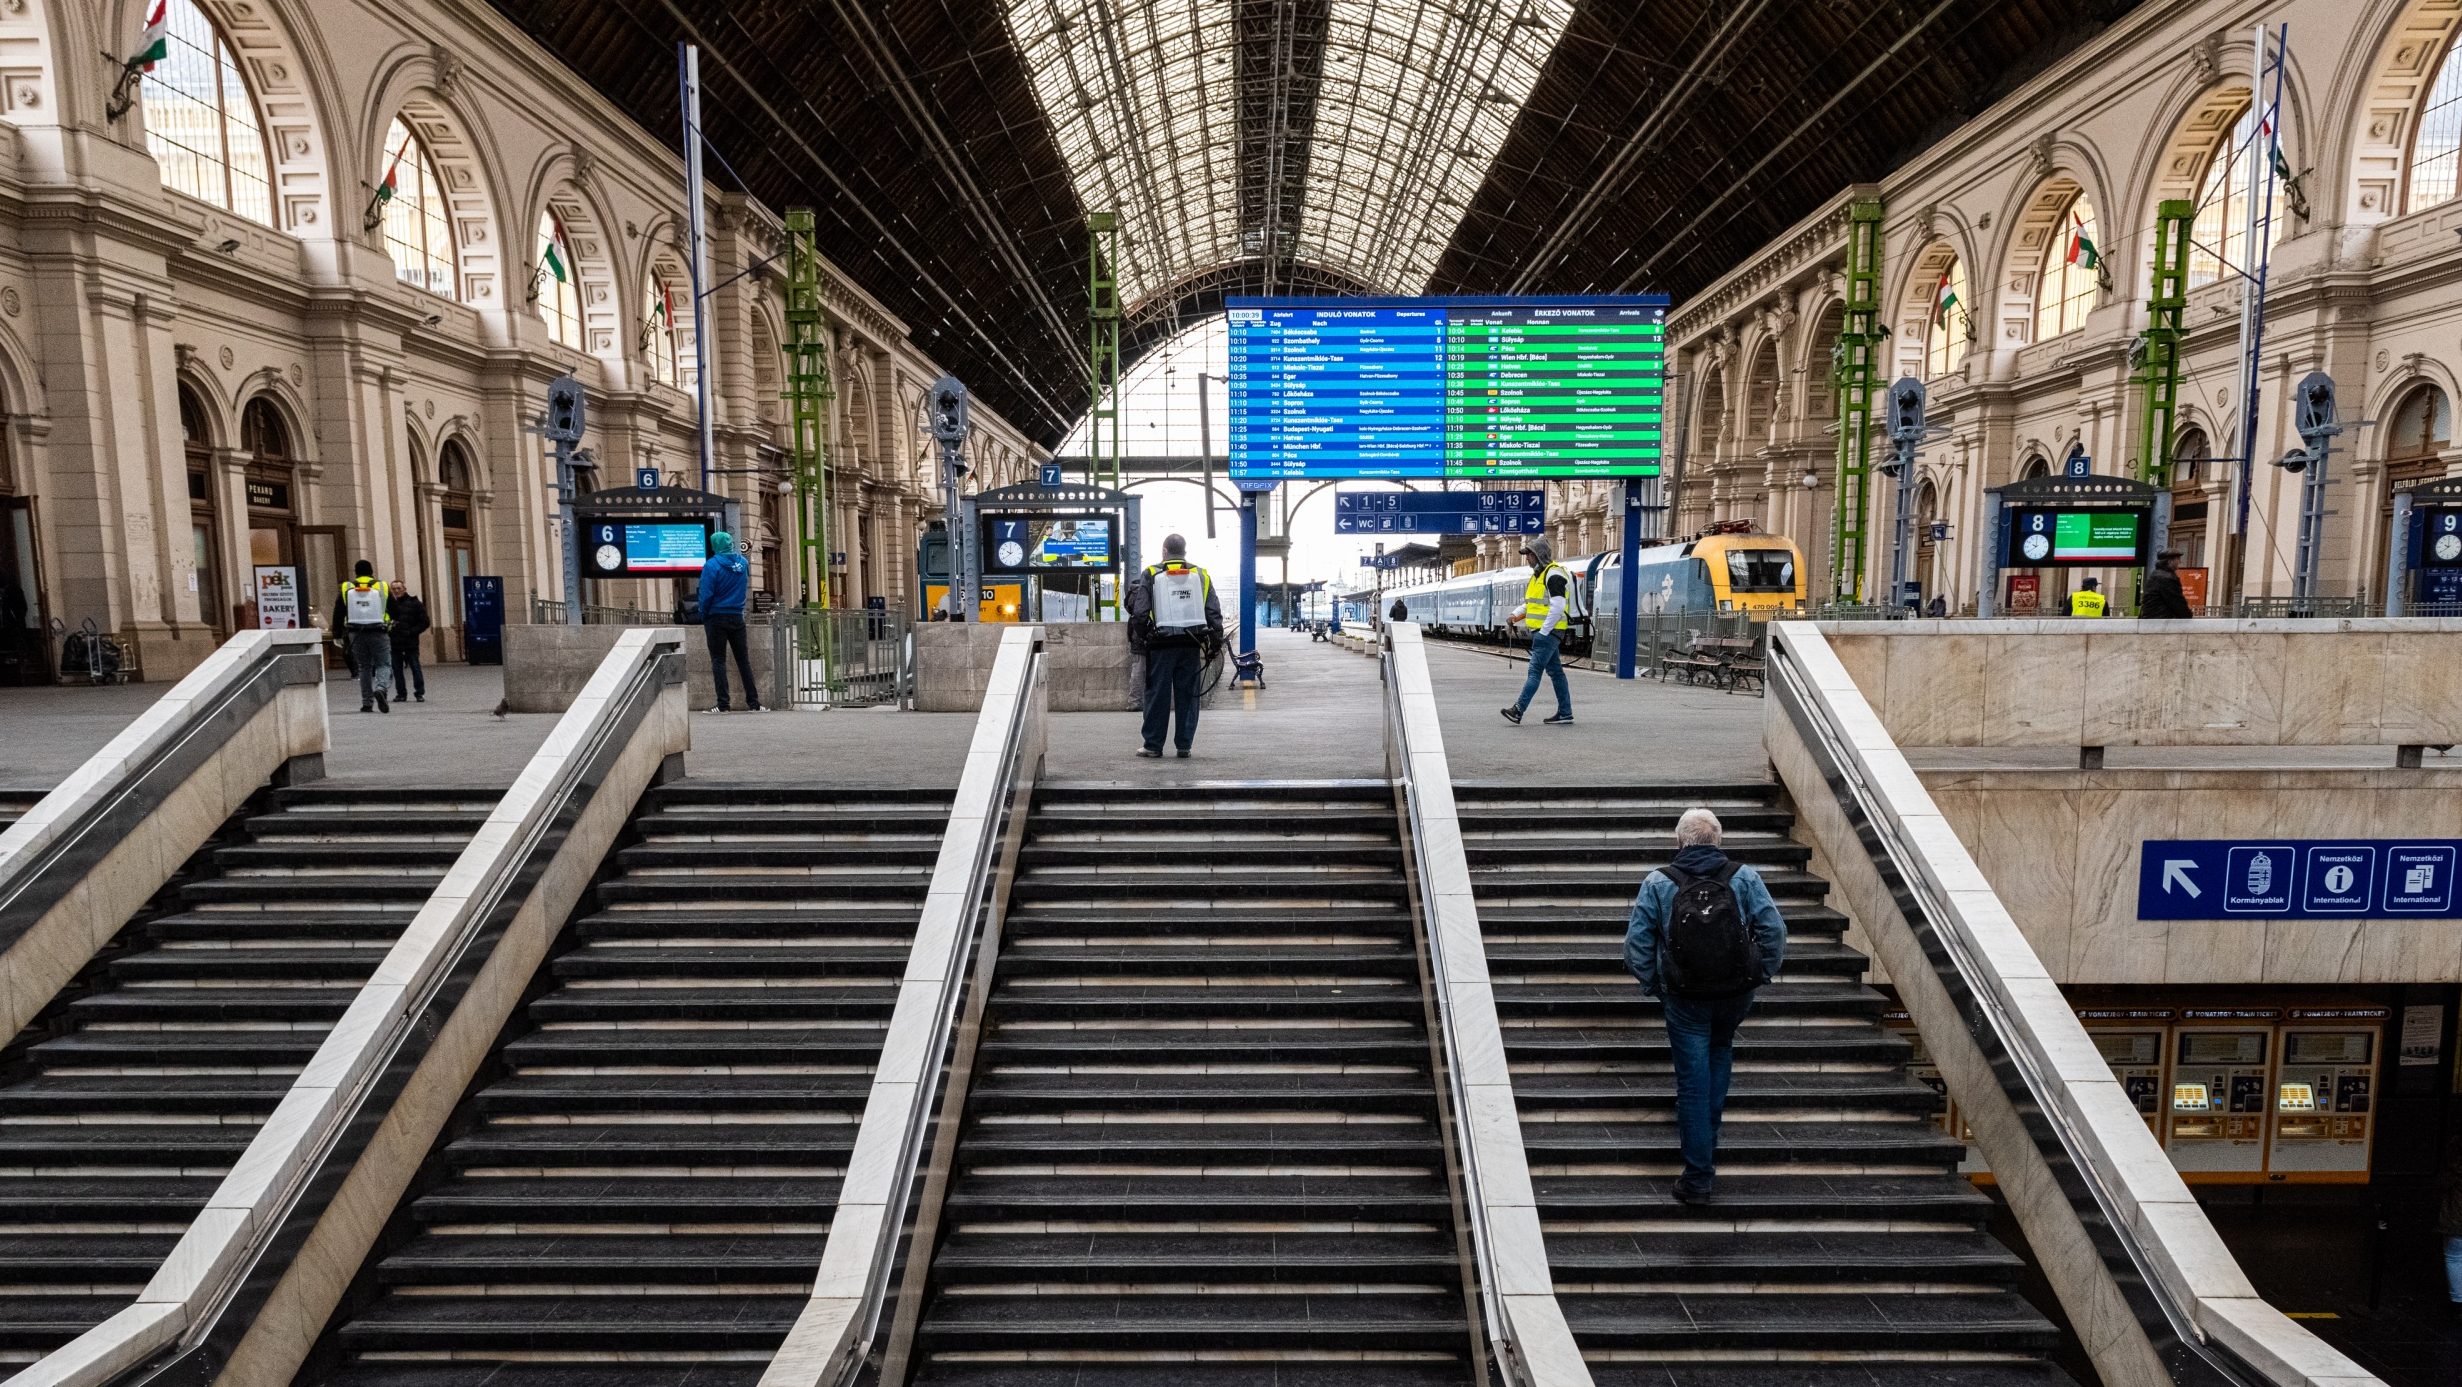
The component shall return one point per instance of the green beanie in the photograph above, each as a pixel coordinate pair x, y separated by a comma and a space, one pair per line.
721, 542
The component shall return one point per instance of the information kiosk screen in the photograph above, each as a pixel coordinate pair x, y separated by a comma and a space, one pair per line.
2045, 537
1045, 543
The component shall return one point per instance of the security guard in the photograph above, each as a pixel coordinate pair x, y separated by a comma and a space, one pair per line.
1546, 611
2088, 599
1175, 618
360, 615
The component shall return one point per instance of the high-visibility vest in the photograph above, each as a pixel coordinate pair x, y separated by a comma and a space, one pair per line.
1179, 595
1534, 597
363, 602
2086, 604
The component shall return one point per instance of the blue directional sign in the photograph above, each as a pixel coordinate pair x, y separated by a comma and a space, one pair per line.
2336, 879
645, 478
1440, 512
1051, 474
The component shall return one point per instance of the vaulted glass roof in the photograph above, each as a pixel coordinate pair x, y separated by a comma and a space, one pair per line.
1340, 135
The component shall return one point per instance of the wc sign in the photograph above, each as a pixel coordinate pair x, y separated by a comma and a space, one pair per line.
2333, 879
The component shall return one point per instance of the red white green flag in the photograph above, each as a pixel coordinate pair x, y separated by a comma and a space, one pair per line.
1944, 299
386, 190
553, 258
155, 43
2081, 245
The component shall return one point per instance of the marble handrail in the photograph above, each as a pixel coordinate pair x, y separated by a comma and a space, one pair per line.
1517, 1290
834, 1331
206, 1289
2155, 1295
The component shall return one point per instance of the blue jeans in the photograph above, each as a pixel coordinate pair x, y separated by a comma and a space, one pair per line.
1546, 659
1701, 1036
2453, 1269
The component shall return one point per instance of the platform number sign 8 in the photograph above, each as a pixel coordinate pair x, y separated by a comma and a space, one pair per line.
2035, 542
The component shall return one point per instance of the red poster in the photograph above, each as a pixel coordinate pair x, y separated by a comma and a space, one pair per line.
2025, 592
2193, 587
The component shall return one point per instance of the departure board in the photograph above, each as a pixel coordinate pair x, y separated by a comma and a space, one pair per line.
1430, 389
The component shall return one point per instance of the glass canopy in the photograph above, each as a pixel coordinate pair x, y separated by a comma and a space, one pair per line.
1388, 139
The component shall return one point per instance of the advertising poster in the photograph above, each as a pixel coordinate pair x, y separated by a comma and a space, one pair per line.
2193, 587
2025, 592
278, 607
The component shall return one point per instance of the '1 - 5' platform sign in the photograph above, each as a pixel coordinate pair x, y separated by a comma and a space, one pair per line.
2336, 879
1440, 512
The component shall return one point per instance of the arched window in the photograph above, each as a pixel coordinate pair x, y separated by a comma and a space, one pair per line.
2422, 428
2071, 272
559, 297
418, 229
2190, 456
1944, 343
2436, 142
204, 551
658, 334
201, 123
2218, 243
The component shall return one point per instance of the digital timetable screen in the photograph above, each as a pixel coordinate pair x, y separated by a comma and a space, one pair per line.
1447, 387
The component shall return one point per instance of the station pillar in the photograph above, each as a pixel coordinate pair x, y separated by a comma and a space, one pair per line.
1248, 571
1628, 585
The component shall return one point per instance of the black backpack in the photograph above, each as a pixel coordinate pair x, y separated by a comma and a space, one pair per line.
1707, 953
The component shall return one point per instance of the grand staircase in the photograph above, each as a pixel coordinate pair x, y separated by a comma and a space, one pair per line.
636, 1191
125, 1102
1201, 1145
1843, 1249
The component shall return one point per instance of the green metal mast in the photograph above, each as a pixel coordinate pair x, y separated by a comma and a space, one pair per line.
1103, 356
808, 396
2158, 365
1851, 376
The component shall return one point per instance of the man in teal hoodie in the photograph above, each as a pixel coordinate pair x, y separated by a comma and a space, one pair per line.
726, 581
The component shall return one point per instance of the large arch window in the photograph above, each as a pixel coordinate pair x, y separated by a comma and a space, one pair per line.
2218, 243
658, 334
201, 122
418, 228
559, 295
455, 508
2430, 173
2071, 271
1949, 324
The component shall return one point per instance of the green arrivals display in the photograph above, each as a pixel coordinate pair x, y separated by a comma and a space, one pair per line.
1552, 397
2048, 537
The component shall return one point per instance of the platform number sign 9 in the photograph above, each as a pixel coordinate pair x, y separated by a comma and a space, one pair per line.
2444, 548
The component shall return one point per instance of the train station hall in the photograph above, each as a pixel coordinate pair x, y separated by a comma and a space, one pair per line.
1230, 693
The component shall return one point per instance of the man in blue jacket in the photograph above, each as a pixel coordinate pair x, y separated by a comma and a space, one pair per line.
1702, 1009
726, 581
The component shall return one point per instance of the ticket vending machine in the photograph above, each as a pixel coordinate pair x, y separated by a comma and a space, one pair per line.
2220, 1093
2132, 1043
2324, 1100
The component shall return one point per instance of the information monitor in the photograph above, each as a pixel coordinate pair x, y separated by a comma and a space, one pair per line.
1430, 389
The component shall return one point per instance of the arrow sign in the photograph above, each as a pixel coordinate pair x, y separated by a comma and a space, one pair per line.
2175, 874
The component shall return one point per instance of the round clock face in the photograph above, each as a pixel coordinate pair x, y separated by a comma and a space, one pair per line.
2036, 546
610, 557
2448, 547
1012, 553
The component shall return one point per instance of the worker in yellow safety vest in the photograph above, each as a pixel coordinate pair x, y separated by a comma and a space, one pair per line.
1547, 606
360, 618
1175, 621
2088, 600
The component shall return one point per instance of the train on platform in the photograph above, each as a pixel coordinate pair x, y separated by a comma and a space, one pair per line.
1728, 568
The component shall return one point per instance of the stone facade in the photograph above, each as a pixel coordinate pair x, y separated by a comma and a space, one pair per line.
188, 387
2362, 285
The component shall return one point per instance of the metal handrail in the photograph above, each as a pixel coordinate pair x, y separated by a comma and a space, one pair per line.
46, 853
185, 1324
2017, 1042
1526, 1326
961, 912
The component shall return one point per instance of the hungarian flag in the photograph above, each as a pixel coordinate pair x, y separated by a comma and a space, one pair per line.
155, 43
385, 191
552, 258
2081, 246
664, 310
1945, 299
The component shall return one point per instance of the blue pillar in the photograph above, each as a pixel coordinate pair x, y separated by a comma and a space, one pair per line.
1248, 571
1628, 585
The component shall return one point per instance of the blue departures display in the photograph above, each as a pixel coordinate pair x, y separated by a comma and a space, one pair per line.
1429, 389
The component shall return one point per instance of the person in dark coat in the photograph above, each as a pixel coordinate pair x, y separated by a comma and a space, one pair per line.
409, 616
2164, 600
